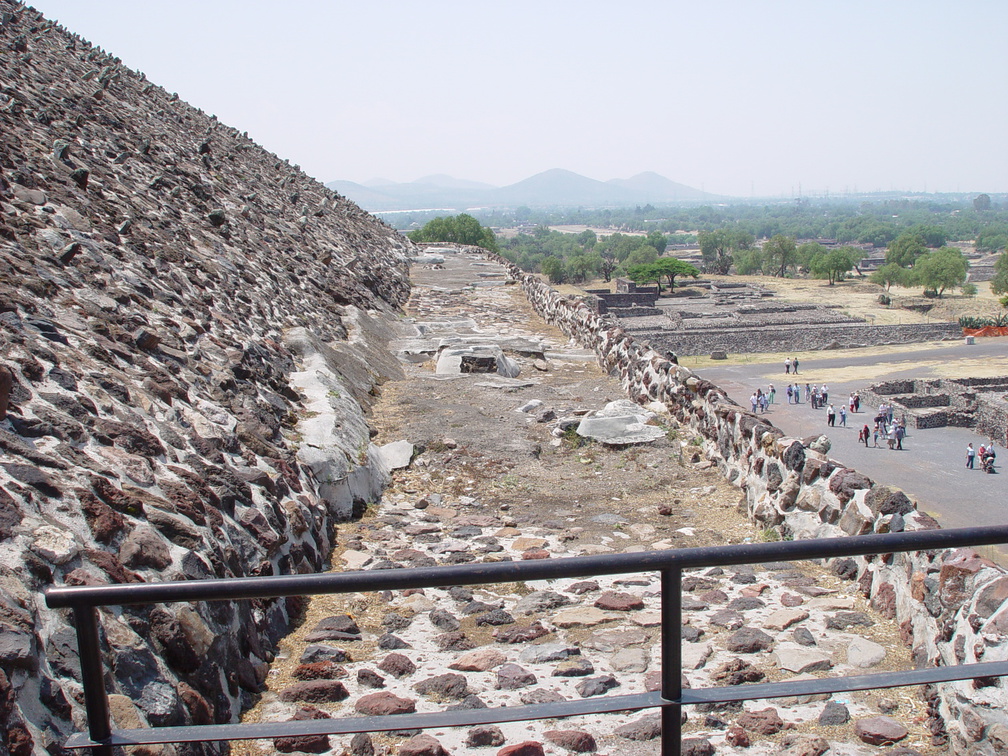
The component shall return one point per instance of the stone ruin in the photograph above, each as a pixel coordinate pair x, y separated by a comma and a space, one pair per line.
190, 332
738, 317
978, 403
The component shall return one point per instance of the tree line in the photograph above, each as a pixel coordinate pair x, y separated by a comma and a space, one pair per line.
915, 255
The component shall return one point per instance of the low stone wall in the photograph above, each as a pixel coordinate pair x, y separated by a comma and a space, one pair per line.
602, 303
951, 605
977, 403
795, 338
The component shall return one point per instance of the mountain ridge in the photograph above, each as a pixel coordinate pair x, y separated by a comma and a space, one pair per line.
556, 187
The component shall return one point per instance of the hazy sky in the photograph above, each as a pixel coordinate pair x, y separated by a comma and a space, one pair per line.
743, 98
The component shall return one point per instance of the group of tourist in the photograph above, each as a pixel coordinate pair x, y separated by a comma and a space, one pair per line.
791, 363
761, 400
986, 454
893, 434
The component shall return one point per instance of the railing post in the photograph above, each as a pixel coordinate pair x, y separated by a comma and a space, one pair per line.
93, 678
671, 668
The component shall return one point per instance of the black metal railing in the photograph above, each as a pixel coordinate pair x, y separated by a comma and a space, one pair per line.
101, 738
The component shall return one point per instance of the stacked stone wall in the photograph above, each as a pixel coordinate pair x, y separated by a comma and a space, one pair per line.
951, 605
740, 340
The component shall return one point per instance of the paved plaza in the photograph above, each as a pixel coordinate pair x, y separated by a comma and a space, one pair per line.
931, 469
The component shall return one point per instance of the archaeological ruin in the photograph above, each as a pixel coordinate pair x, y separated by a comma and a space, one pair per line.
193, 331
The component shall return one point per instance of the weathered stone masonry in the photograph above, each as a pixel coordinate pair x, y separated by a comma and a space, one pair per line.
951, 606
190, 329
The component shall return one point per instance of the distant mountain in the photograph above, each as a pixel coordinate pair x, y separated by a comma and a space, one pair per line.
652, 185
560, 187
552, 188
447, 182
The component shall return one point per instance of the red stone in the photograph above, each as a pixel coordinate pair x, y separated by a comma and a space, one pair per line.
383, 703
619, 602
528, 748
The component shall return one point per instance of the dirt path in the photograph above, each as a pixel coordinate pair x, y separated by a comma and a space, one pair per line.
491, 482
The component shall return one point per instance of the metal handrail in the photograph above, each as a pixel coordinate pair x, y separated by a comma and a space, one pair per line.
84, 601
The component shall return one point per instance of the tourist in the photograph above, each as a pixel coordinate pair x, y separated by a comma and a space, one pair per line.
850, 402
865, 432
843, 416
808, 392
790, 393
830, 416
815, 397
891, 437
987, 459
772, 393
824, 393
787, 366
970, 454
794, 364
899, 436
857, 402
754, 400
875, 434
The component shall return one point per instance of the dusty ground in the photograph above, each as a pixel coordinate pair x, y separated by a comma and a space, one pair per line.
515, 462
473, 443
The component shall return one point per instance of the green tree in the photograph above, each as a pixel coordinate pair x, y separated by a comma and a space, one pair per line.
780, 253
578, 267
968, 290
833, 264
932, 236
982, 203
808, 252
742, 240
992, 238
587, 238
553, 269
942, 269
643, 273
889, 274
748, 261
641, 256
458, 229
607, 265
657, 240
715, 248
671, 267
999, 284
905, 249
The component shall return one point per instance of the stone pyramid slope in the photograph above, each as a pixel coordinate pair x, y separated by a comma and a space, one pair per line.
185, 346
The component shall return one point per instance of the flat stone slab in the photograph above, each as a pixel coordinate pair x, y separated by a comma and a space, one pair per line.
611, 641
356, 560
631, 660
864, 653
695, 655
622, 430
646, 619
798, 659
624, 407
831, 603
585, 616
782, 619
396, 455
